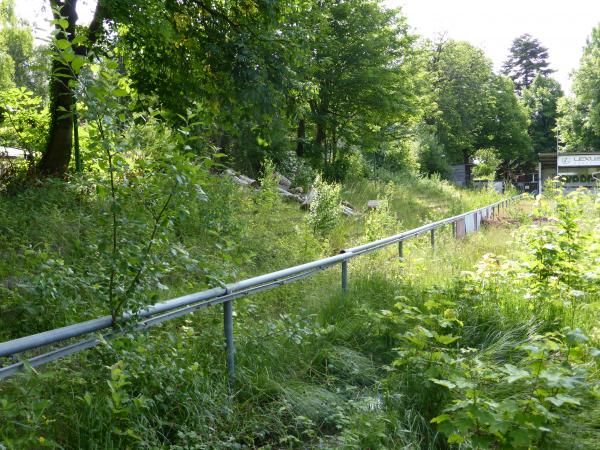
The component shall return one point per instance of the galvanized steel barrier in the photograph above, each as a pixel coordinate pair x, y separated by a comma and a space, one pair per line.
187, 304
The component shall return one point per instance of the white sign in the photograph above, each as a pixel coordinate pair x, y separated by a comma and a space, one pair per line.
592, 160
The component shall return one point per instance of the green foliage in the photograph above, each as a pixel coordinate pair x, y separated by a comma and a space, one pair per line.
541, 99
486, 164
381, 222
431, 154
325, 209
533, 397
314, 368
579, 126
476, 108
380, 95
7, 71
158, 180
23, 120
269, 184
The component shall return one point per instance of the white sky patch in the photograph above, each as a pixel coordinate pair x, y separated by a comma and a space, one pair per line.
39, 14
561, 26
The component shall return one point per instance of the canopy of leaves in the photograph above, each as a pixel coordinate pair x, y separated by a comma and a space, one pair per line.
367, 78
541, 100
477, 109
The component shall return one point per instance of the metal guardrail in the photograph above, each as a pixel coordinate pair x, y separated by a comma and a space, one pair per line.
177, 307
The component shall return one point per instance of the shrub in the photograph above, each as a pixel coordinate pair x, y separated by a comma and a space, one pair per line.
325, 211
381, 221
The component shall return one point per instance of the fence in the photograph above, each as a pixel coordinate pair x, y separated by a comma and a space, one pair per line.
461, 224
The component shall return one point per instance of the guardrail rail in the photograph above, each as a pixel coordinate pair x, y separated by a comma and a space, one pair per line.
180, 306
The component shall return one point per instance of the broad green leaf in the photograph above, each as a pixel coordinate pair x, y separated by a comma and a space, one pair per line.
78, 63
62, 44
441, 418
446, 383
446, 338
514, 373
576, 337
455, 438
561, 399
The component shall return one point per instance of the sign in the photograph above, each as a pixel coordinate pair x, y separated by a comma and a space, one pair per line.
591, 160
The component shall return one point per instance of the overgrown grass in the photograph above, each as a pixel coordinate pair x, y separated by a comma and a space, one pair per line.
310, 369
318, 369
53, 267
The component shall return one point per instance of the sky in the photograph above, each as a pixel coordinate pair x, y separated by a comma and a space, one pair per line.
561, 25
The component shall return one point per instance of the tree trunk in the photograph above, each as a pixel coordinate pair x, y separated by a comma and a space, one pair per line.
56, 158
300, 151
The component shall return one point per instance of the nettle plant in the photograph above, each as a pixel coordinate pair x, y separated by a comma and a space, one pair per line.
483, 403
558, 265
381, 221
516, 406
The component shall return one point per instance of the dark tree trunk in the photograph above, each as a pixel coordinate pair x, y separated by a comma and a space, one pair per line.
301, 137
56, 158
57, 155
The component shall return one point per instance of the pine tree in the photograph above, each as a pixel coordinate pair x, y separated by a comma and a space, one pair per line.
528, 58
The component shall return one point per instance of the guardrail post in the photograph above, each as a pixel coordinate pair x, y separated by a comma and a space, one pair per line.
432, 238
345, 276
401, 250
228, 328
454, 230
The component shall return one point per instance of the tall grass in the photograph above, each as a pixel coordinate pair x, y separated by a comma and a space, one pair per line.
312, 364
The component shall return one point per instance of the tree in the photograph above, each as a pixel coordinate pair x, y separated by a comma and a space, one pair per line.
476, 108
365, 70
7, 70
57, 155
17, 40
541, 100
486, 162
461, 76
527, 59
579, 126
21, 63
505, 128
7, 64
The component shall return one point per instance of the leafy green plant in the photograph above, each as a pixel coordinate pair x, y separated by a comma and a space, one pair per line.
512, 406
381, 221
325, 211
268, 195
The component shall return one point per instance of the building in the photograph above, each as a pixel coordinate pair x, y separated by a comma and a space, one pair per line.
578, 169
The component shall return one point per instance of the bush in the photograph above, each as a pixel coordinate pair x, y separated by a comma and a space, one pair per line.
381, 221
325, 211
